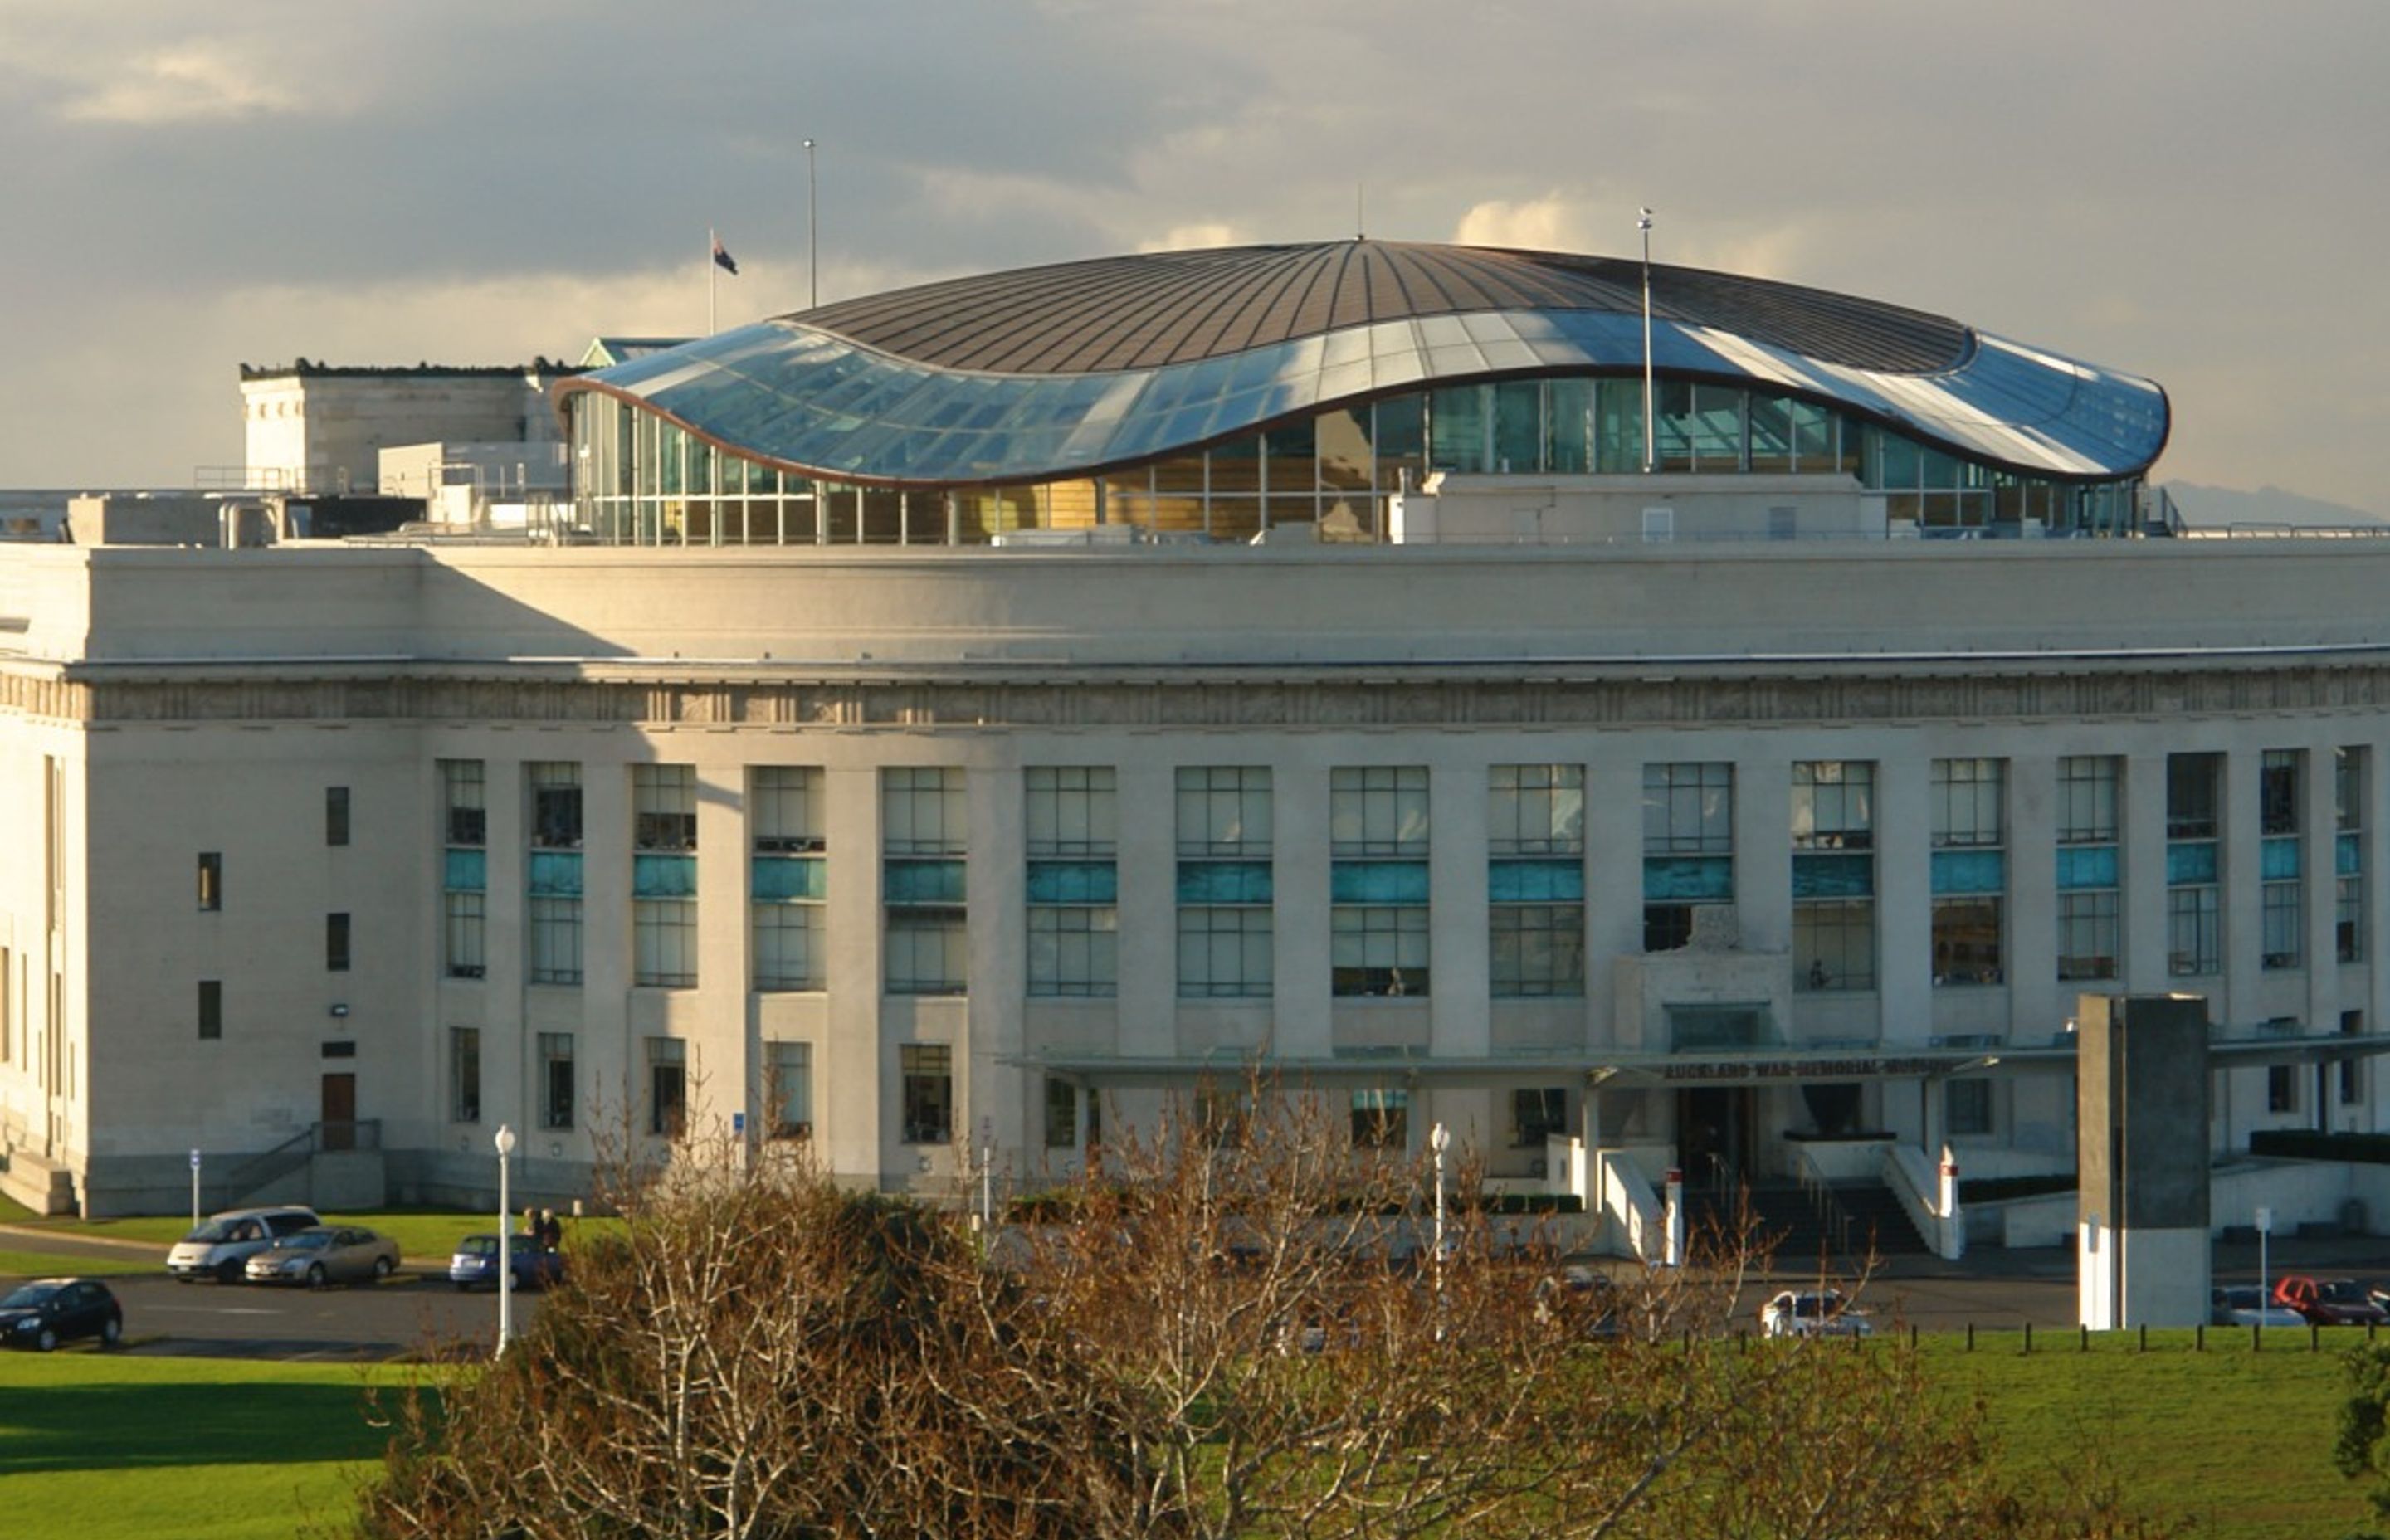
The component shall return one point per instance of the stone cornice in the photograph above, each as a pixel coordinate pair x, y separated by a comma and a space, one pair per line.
1393, 697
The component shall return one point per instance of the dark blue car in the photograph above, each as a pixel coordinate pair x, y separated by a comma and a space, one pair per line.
475, 1262
50, 1311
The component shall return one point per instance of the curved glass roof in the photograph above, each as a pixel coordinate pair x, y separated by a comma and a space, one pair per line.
1222, 342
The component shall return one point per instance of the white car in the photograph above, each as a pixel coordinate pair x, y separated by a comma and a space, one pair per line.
2247, 1305
221, 1247
1813, 1313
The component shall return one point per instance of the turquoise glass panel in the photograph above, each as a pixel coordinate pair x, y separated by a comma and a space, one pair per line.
1971, 871
663, 875
1379, 882
556, 874
924, 882
468, 871
1074, 882
1689, 879
780, 878
2279, 859
1202, 882
1837, 875
2191, 861
2347, 857
2087, 866
1535, 881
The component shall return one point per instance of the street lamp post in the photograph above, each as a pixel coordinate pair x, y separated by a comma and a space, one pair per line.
1439, 1139
506, 1142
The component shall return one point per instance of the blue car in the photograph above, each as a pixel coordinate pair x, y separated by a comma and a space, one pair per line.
474, 1263
49, 1311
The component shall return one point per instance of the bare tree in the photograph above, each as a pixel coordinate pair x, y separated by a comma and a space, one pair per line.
1225, 1329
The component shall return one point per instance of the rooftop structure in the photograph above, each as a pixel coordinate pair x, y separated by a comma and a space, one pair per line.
1223, 391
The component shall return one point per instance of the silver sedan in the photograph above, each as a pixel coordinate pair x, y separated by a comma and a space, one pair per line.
327, 1253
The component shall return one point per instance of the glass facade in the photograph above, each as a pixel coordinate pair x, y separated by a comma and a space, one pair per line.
642, 481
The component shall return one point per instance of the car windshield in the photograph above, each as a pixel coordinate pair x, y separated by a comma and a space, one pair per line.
217, 1229
306, 1241
28, 1295
2342, 1291
478, 1246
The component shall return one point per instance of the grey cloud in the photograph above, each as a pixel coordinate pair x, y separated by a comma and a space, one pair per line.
2185, 191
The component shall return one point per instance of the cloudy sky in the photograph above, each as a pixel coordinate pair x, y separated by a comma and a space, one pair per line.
2193, 189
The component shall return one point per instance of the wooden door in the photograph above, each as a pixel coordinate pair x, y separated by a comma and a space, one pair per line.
339, 1118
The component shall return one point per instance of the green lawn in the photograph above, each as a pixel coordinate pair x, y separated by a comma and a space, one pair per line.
2239, 1442
51, 1265
210, 1449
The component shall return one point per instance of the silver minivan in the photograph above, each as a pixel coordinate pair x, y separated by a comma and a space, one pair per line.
221, 1247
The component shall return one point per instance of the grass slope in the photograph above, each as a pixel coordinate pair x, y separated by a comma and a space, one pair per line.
210, 1449
2239, 1442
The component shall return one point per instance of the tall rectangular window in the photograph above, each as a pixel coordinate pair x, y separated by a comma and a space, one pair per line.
1226, 882
663, 875
788, 876
211, 1008
2351, 1072
1382, 1117
1970, 869
924, 828
554, 918
1536, 1113
1062, 1113
210, 880
2194, 864
1967, 1106
2348, 779
788, 1089
336, 815
464, 1075
1834, 875
1073, 886
2281, 793
927, 1072
1687, 847
2090, 867
557, 1084
336, 944
1534, 880
667, 1087
464, 878
1378, 880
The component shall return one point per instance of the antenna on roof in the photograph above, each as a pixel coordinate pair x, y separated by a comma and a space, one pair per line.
1360, 209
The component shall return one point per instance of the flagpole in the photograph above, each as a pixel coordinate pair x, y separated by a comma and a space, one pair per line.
1644, 224
813, 236
713, 279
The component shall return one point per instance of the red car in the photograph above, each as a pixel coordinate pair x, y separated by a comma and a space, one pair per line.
2330, 1302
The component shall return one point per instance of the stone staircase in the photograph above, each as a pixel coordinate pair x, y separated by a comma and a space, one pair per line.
1836, 1231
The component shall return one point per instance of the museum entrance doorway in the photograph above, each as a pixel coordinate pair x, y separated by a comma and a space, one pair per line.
1718, 1137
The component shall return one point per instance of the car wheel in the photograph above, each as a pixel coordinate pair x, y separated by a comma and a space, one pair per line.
315, 1276
463, 1287
382, 1268
47, 1341
111, 1332
228, 1272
